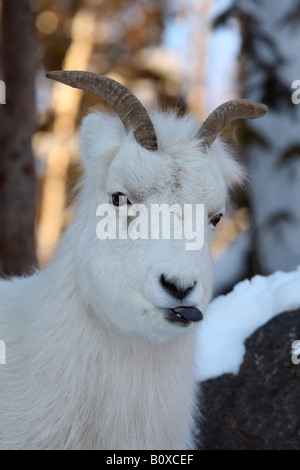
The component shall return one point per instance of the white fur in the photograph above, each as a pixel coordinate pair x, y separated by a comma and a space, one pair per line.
91, 362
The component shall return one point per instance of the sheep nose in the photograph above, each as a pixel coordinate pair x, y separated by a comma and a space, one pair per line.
176, 286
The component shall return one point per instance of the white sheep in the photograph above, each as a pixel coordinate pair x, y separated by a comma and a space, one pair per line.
97, 357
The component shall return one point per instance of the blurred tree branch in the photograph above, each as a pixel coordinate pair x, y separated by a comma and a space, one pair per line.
17, 124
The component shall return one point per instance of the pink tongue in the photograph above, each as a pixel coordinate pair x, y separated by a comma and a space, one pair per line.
189, 313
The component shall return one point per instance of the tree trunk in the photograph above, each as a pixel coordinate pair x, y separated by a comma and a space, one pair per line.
197, 82
66, 105
17, 124
271, 43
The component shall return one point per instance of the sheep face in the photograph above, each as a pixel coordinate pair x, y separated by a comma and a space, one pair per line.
135, 283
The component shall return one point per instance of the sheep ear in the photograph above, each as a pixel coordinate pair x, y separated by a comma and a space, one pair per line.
232, 171
100, 136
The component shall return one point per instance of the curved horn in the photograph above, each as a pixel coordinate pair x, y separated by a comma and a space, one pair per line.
130, 110
227, 112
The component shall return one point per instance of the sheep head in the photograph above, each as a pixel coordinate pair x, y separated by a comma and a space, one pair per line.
153, 287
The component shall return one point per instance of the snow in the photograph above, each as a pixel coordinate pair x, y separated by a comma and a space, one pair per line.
231, 319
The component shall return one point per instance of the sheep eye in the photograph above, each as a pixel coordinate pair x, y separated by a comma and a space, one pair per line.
119, 199
216, 219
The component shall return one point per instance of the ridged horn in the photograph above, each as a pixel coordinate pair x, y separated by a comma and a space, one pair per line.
130, 110
224, 114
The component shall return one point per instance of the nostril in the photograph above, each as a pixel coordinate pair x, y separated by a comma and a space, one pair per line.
175, 286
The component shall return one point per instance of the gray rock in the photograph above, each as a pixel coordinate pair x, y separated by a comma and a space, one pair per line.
258, 409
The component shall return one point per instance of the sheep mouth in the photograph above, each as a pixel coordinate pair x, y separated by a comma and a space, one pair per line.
184, 315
